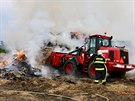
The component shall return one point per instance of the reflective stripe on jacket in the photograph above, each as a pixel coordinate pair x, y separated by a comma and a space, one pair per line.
99, 58
99, 68
102, 62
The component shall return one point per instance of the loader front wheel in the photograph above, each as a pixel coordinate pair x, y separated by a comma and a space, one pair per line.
70, 68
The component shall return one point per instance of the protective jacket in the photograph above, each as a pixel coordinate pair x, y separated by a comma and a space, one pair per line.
100, 68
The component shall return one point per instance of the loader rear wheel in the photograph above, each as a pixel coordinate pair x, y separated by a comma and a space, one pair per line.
70, 68
117, 74
91, 71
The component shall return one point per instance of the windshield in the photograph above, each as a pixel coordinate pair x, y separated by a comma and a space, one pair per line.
103, 42
92, 45
95, 43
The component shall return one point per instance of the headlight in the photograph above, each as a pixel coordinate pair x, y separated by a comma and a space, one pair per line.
129, 67
119, 66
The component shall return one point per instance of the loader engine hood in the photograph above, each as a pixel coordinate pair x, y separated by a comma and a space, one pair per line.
117, 55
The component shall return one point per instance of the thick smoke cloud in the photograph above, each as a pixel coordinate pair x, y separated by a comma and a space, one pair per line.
114, 17
25, 24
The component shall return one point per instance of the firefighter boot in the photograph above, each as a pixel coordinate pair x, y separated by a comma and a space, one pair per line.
96, 81
103, 82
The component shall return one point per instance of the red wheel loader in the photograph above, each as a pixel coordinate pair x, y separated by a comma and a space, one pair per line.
81, 59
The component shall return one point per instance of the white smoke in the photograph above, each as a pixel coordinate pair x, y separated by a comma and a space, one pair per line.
26, 24
49, 72
65, 39
45, 72
115, 17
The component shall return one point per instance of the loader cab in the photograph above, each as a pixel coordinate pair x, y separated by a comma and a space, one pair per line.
96, 41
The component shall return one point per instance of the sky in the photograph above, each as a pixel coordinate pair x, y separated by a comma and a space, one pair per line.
19, 18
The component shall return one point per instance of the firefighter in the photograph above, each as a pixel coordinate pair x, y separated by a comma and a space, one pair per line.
100, 68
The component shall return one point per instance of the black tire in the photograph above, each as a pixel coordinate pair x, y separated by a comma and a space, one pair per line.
117, 74
70, 68
91, 70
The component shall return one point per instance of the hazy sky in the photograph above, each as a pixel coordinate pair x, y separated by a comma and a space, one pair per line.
21, 18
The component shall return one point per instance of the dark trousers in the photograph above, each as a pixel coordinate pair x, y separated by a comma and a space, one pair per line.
100, 74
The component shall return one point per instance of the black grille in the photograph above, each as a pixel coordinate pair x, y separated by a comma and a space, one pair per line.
124, 56
111, 55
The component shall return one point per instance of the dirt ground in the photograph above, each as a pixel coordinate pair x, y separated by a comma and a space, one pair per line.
66, 89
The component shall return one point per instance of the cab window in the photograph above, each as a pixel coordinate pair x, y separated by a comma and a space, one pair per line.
92, 45
103, 42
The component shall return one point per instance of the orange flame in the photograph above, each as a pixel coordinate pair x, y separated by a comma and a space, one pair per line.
21, 55
3, 63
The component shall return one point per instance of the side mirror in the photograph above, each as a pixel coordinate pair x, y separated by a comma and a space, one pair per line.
111, 37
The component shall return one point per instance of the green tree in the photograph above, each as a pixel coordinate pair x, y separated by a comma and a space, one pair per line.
2, 50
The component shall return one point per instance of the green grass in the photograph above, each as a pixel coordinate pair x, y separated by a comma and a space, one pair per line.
2, 50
